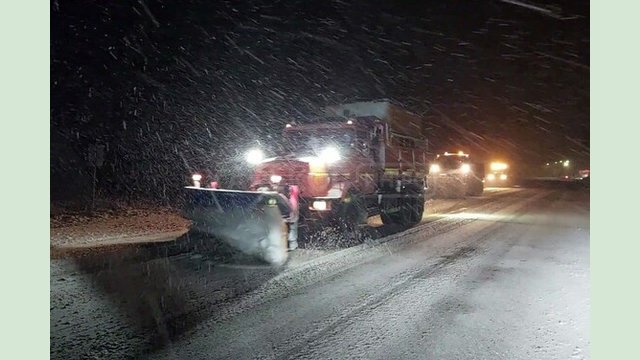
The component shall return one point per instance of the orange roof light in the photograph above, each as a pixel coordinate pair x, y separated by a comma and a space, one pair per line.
459, 153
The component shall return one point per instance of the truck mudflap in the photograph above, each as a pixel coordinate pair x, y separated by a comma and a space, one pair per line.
255, 223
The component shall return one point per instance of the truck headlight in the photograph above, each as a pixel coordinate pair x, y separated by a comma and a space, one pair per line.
465, 168
276, 179
320, 205
491, 177
434, 168
330, 155
254, 156
503, 177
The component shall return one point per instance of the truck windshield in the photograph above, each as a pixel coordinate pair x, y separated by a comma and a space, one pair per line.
313, 141
451, 162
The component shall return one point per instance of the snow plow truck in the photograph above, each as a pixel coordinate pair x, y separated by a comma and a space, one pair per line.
354, 161
455, 175
498, 175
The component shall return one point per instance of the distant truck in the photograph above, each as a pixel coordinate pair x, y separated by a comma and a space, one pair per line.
455, 175
354, 161
498, 175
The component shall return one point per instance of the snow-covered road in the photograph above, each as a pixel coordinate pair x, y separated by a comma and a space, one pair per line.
505, 276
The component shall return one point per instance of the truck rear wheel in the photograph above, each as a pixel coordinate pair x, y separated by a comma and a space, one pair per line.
407, 213
353, 214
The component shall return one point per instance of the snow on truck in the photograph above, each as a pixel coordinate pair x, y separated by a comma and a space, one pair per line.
356, 160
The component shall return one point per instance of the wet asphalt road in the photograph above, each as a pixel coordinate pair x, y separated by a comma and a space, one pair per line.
505, 276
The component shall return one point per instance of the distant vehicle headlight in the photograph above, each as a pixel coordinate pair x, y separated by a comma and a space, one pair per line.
434, 168
465, 168
254, 156
196, 179
491, 177
503, 177
330, 155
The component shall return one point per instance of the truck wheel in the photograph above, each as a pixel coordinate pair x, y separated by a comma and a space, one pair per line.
410, 211
417, 210
354, 213
338, 229
355, 209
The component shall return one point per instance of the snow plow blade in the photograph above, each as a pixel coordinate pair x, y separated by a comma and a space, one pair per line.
251, 222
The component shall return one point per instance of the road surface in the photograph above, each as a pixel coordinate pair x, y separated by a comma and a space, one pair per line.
502, 276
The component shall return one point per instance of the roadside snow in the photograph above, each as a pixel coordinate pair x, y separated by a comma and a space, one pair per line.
114, 227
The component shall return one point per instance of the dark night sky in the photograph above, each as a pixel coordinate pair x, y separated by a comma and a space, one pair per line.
176, 86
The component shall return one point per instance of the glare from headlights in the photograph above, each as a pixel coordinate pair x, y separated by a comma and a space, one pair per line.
465, 168
330, 155
491, 177
503, 177
254, 156
434, 168
497, 166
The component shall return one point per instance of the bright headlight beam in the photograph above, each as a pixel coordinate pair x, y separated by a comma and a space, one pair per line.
465, 168
434, 168
330, 155
254, 156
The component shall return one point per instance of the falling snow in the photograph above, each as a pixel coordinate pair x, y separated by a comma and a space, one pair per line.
174, 88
